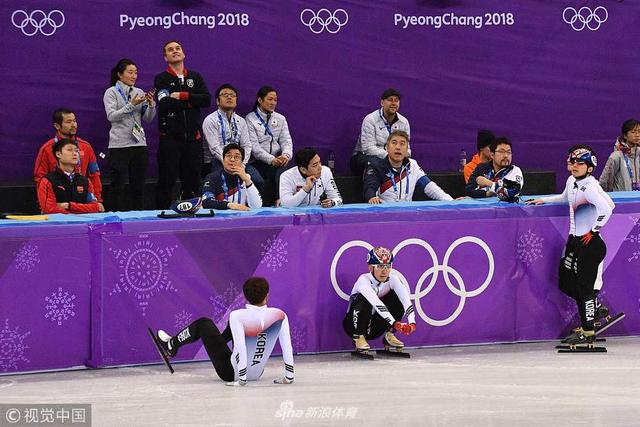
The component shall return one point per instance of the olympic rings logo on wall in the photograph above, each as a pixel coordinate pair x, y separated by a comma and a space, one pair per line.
38, 20
585, 17
324, 20
433, 272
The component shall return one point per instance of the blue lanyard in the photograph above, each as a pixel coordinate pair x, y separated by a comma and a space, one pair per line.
391, 176
267, 130
628, 162
225, 188
234, 130
55, 140
387, 124
144, 107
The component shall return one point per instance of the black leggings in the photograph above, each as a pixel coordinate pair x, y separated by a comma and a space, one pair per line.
214, 342
578, 274
360, 321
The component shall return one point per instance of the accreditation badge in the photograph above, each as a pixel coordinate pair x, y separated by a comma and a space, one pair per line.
138, 132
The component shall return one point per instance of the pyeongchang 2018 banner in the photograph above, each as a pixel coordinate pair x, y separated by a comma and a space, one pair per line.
546, 74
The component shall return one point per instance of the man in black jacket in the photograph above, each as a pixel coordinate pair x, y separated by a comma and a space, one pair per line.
180, 94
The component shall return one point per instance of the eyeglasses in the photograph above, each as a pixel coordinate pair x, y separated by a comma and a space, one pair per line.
507, 152
233, 157
576, 162
227, 95
382, 266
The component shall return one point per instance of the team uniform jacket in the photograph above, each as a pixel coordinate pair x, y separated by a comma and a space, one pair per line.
229, 188
123, 115
397, 185
293, 195
372, 289
87, 164
181, 117
589, 206
268, 142
511, 172
60, 187
235, 131
255, 331
375, 131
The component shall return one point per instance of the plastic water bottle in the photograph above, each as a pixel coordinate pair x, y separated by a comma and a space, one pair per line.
463, 160
331, 161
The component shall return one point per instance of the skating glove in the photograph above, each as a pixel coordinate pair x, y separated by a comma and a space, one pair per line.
404, 328
588, 237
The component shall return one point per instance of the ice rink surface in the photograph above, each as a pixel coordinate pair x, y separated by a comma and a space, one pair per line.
492, 385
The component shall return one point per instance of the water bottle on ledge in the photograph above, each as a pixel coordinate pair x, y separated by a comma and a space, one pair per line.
463, 160
331, 161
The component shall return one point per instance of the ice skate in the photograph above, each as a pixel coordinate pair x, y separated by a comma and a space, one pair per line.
607, 322
165, 339
362, 348
582, 343
392, 346
160, 346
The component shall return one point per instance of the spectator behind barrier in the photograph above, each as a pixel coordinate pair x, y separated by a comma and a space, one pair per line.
376, 128
126, 106
497, 177
65, 190
232, 184
180, 94
271, 144
224, 127
622, 170
483, 143
309, 184
64, 121
396, 177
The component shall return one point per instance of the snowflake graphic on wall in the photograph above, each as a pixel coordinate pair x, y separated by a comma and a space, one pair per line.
569, 311
529, 247
274, 253
59, 306
635, 220
143, 271
298, 337
633, 238
182, 319
12, 347
27, 257
226, 301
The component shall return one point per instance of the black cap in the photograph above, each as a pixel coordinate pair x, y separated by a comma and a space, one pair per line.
485, 139
389, 93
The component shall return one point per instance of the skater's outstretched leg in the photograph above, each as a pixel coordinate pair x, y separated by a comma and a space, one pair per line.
214, 344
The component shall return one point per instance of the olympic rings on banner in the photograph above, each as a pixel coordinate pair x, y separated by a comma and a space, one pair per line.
432, 272
324, 20
38, 20
585, 17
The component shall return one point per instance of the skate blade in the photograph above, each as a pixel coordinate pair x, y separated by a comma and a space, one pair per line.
363, 355
615, 319
160, 350
580, 349
393, 353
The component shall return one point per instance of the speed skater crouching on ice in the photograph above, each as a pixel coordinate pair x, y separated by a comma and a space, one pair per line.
254, 331
377, 304
580, 272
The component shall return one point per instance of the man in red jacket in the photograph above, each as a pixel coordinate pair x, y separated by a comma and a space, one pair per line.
64, 121
64, 190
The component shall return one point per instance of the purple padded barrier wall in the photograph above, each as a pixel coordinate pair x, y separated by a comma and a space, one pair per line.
44, 297
501, 272
88, 291
545, 73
